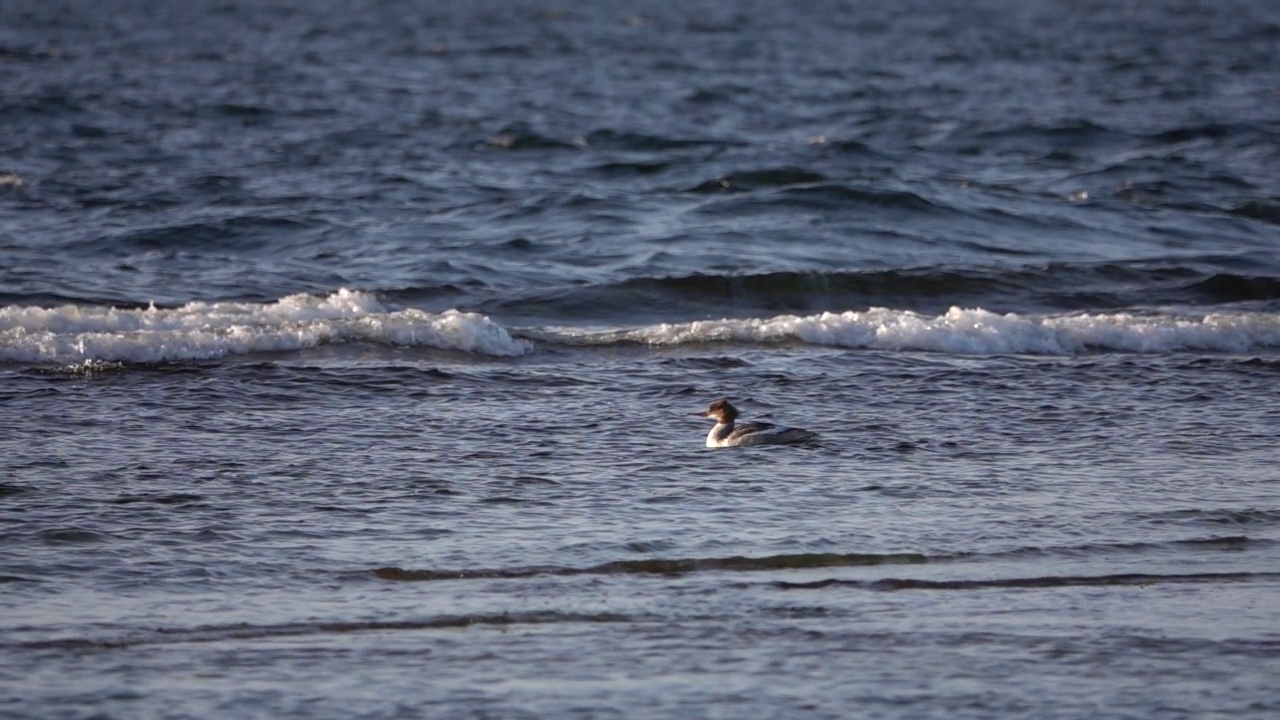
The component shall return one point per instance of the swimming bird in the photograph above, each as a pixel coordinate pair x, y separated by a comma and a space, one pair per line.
727, 433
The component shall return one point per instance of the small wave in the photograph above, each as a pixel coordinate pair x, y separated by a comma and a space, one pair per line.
757, 179
663, 566
16, 579
622, 140
837, 194
1076, 131
246, 631
924, 288
962, 331
899, 285
158, 499
1226, 287
1212, 517
1264, 210
203, 331
1055, 287
520, 136
71, 536
1208, 131
798, 188
243, 110
22, 54
237, 232
1230, 543
1052, 581
631, 169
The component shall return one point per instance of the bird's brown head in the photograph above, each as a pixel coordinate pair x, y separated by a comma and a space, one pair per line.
722, 411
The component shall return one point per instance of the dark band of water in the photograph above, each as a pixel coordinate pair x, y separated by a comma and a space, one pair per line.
663, 567
894, 584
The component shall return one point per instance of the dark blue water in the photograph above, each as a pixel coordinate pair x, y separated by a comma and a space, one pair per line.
348, 352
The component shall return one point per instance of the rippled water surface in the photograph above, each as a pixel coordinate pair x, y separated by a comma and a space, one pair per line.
349, 354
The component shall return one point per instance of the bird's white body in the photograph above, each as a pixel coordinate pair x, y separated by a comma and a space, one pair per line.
728, 433
731, 435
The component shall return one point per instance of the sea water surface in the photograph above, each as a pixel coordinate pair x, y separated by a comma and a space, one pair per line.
349, 353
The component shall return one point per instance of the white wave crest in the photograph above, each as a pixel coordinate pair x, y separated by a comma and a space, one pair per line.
973, 332
202, 331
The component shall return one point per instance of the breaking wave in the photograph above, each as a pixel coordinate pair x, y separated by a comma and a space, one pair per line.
204, 331
80, 333
961, 331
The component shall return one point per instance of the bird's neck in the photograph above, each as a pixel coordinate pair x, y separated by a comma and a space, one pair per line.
722, 429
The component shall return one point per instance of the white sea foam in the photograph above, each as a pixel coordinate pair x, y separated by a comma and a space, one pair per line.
201, 331
72, 334
961, 331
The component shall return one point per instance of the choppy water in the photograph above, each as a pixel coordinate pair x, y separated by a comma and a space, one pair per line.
348, 352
